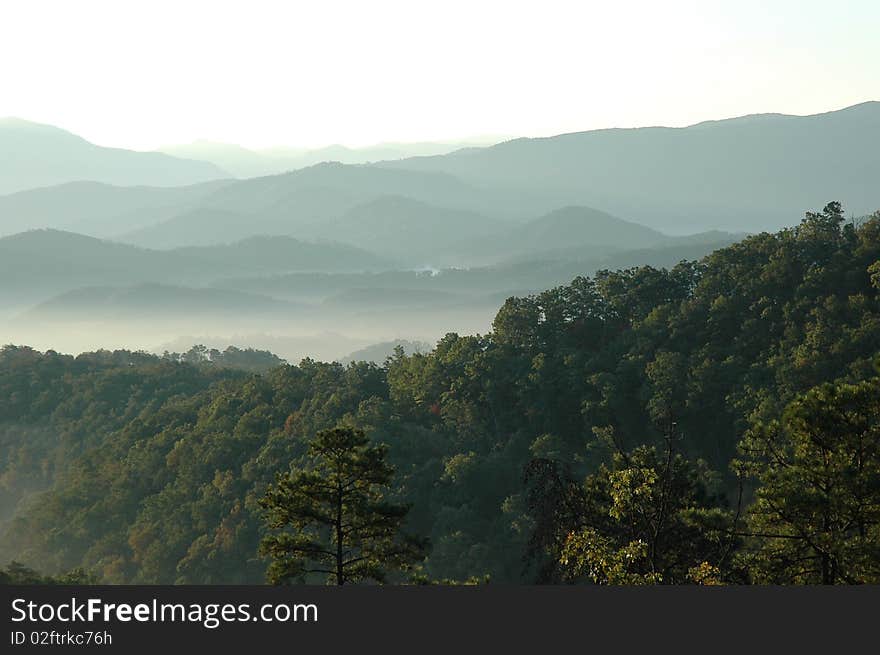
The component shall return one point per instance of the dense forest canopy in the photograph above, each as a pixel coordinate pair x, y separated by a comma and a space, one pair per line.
641, 426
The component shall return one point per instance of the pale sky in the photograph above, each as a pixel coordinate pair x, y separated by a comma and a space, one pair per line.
145, 74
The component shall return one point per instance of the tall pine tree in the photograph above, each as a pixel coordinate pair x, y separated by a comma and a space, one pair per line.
333, 519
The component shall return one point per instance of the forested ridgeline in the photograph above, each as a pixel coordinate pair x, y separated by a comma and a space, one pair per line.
641, 426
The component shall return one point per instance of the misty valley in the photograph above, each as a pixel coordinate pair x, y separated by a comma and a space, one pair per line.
627, 356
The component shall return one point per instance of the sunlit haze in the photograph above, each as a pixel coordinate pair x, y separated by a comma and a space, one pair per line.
147, 74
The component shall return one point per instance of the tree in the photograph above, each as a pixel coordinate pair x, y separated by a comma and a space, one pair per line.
332, 518
651, 519
643, 518
816, 514
19, 574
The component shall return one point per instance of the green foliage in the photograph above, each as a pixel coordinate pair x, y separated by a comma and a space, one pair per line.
248, 359
331, 517
16, 573
816, 514
644, 518
588, 552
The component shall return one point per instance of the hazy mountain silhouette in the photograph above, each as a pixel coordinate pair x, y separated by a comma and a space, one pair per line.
750, 173
39, 263
278, 253
259, 209
36, 155
525, 274
244, 163
382, 298
571, 226
255, 287
745, 174
97, 209
406, 229
200, 226
566, 233
413, 217
42, 260
308, 201
156, 301
240, 162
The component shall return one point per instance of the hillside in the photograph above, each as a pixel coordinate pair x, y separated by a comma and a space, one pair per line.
36, 155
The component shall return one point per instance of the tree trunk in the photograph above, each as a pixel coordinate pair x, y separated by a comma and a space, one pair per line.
340, 576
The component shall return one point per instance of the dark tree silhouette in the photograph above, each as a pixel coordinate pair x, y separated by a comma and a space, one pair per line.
333, 518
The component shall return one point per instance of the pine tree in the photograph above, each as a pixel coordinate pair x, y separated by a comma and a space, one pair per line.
332, 518
816, 515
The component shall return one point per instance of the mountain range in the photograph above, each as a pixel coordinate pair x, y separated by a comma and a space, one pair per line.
744, 174
401, 248
37, 264
36, 155
244, 162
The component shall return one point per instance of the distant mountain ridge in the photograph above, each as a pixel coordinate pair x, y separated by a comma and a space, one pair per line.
244, 162
41, 263
96, 208
302, 202
37, 155
567, 229
152, 301
744, 174
407, 229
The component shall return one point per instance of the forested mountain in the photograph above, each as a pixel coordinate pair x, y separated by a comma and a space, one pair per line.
589, 436
36, 155
735, 175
